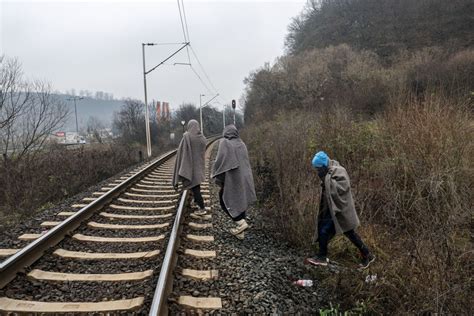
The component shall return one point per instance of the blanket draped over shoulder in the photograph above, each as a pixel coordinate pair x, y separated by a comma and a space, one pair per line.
189, 165
233, 161
340, 201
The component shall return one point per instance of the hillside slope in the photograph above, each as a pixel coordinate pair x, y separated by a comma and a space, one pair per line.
383, 26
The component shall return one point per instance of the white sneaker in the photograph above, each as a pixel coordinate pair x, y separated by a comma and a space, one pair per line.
241, 226
240, 236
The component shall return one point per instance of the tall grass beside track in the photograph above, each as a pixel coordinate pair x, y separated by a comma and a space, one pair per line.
411, 170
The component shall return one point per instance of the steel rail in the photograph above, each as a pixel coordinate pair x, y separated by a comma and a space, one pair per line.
33, 251
159, 304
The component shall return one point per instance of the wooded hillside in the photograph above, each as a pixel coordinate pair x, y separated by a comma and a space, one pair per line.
383, 26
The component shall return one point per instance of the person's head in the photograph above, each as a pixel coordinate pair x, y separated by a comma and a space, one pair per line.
193, 127
321, 163
230, 131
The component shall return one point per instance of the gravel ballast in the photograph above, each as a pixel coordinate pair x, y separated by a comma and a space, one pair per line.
255, 274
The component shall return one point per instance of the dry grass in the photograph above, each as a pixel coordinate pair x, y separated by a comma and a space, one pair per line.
412, 175
57, 173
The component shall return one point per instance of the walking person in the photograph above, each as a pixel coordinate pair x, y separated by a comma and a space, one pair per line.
189, 165
337, 214
232, 172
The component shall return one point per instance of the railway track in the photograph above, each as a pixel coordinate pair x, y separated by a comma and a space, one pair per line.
114, 253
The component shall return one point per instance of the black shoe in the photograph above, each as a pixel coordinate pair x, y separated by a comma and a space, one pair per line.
366, 261
317, 261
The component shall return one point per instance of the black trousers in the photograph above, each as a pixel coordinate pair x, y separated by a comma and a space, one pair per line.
224, 208
197, 196
327, 231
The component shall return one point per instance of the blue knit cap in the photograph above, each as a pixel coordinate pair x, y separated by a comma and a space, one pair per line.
320, 159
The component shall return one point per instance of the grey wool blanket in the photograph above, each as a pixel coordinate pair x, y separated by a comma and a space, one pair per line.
339, 196
189, 165
233, 161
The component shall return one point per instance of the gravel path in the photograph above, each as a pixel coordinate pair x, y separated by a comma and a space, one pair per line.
254, 274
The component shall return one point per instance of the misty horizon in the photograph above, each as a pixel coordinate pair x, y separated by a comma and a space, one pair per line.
97, 46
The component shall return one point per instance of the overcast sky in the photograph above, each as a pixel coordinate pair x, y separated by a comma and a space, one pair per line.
96, 45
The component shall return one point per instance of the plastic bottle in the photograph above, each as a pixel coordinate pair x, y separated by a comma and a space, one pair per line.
304, 283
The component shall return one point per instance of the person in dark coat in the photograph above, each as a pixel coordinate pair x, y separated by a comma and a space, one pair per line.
337, 213
232, 172
189, 165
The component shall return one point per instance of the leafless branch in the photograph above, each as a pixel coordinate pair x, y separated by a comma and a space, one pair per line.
29, 112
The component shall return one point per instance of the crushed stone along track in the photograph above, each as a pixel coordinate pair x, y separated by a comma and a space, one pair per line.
253, 276
110, 263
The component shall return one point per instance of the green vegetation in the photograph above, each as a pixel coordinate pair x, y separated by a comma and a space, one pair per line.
400, 121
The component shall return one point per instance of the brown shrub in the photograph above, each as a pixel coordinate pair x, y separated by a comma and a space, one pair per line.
411, 172
58, 173
317, 79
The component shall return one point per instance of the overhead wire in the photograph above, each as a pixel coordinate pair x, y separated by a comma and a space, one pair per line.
200, 79
185, 34
184, 26
202, 68
182, 23
185, 20
205, 73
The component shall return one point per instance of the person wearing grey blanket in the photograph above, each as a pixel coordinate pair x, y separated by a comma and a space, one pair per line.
232, 172
189, 165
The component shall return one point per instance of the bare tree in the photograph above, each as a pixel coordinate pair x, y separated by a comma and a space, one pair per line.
13, 93
29, 112
129, 121
186, 112
95, 128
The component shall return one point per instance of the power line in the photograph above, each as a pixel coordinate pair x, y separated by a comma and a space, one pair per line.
185, 20
165, 60
200, 79
205, 73
184, 26
186, 34
202, 68
187, 30
186, 38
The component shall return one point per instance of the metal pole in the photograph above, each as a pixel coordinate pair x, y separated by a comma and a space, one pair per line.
75, 110
147, 115
234, 116
223, 117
